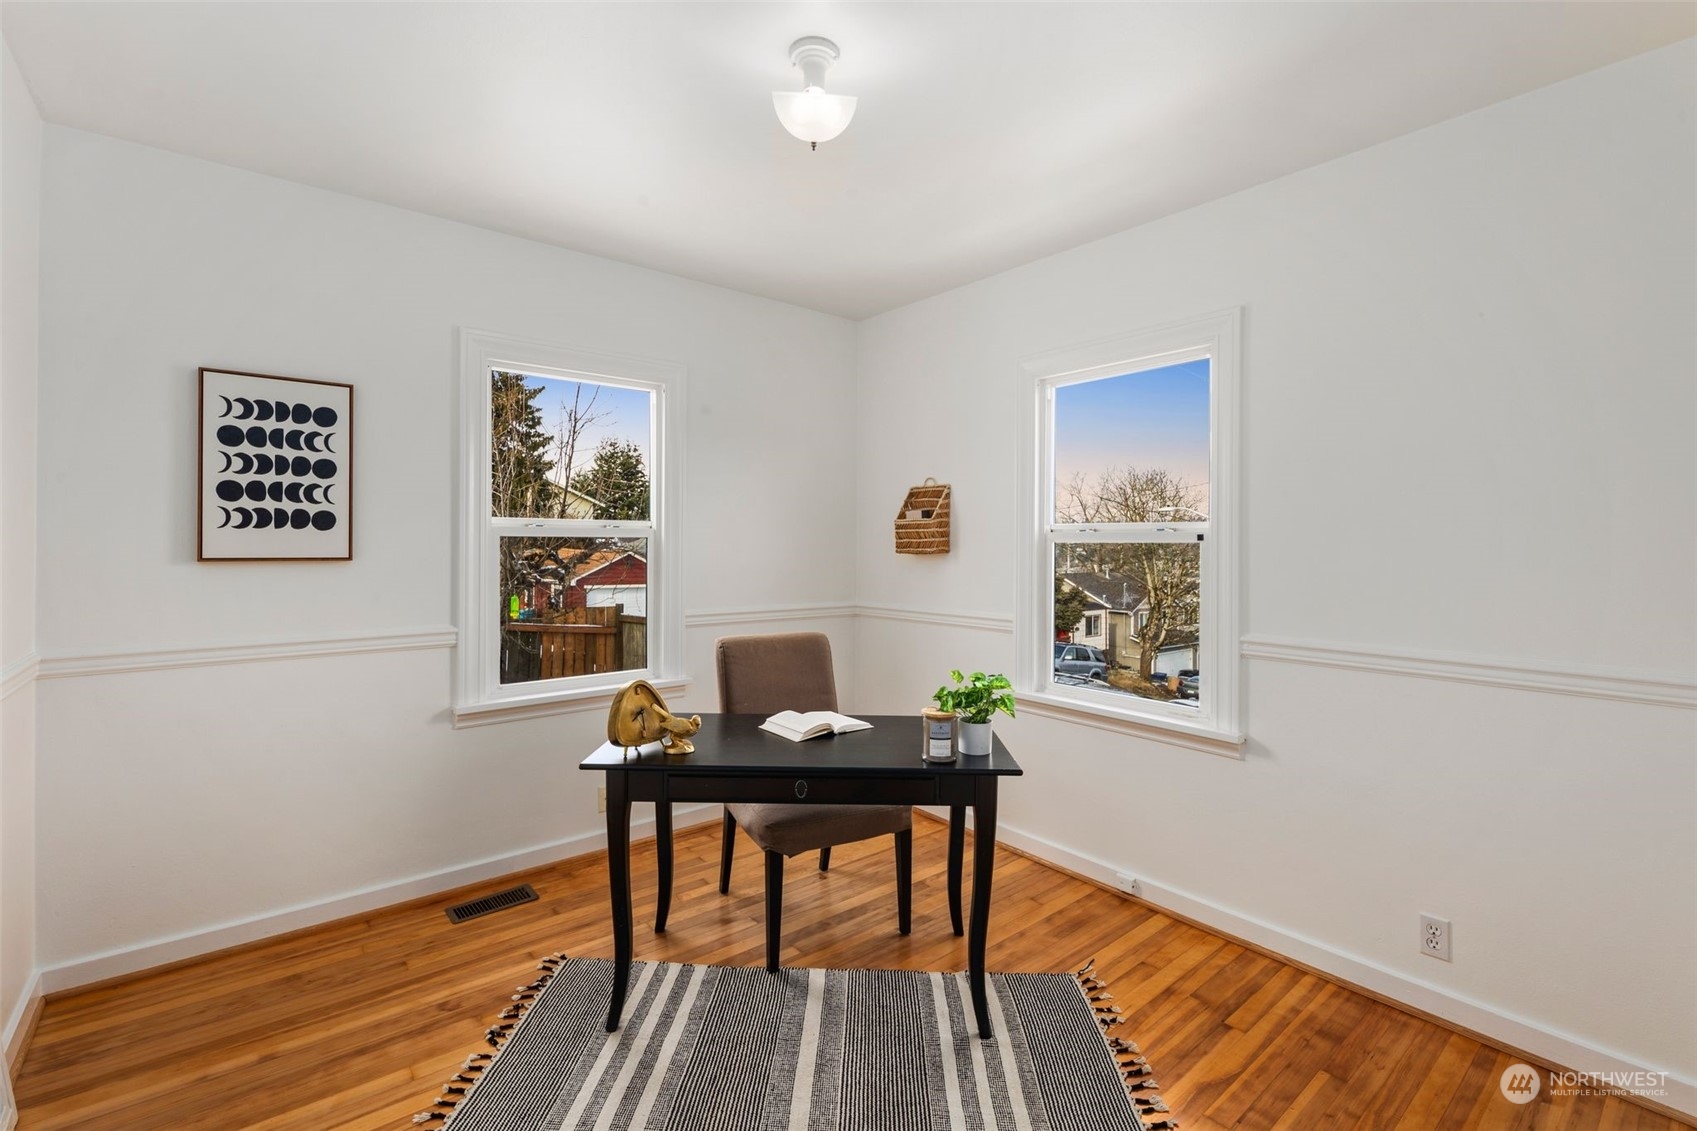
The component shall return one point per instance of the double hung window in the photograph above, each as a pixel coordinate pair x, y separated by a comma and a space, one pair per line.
1127, 499
568, 584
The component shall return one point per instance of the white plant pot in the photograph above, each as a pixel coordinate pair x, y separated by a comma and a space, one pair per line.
975, 739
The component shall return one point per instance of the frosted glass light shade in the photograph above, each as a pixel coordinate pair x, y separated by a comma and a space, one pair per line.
811, 114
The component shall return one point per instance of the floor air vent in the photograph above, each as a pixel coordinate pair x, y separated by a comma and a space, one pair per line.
500, 901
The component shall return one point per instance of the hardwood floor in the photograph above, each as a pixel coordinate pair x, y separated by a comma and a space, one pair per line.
358, 1023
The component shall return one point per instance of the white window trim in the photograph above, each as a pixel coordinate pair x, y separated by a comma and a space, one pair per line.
478, 692
1220, 719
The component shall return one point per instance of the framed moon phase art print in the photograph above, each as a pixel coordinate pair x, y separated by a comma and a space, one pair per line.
276, 479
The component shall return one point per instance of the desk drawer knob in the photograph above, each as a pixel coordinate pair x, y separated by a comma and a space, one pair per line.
801, 789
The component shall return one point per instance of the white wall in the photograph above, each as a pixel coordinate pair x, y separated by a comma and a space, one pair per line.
1470, 385
1468, 421
194, 793
20, 219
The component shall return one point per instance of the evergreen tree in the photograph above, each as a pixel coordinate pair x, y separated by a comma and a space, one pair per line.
519, 483
519, 463
1070, 605
617, 480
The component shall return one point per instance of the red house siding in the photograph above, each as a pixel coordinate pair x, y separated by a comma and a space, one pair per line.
626, 570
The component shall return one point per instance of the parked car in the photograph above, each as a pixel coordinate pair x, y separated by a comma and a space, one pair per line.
1190, 686
1077, 659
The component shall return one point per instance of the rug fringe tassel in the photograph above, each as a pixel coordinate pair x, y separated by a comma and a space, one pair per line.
1135, 1073
460, 1085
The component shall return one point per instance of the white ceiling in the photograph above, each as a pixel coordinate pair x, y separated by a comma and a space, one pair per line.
987, 135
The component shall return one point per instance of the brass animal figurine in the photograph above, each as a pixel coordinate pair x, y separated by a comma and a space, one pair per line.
639, 715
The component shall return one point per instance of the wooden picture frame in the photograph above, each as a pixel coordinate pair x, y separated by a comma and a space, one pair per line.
275, 480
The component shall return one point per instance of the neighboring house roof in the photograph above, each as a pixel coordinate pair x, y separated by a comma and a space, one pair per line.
1117, 594
589, 564
552, 565
1124, 595
633, 571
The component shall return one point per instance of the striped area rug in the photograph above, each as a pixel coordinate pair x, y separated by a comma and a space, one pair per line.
716, 1047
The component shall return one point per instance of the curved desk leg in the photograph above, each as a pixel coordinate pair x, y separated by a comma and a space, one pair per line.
983, 863
957, 849
618, 881
663, 851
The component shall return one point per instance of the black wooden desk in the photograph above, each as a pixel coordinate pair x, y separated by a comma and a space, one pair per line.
735, 760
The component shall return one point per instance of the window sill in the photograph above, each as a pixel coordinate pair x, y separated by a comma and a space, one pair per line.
552, 703
1174, 732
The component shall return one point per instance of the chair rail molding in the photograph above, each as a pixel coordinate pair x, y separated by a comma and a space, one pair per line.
982, 622
1660, 689
18, 674
345, 644
714, 618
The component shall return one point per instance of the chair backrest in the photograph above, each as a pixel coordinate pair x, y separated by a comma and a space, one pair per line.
762, 675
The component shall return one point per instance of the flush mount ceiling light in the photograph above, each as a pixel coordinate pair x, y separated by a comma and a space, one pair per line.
811, 114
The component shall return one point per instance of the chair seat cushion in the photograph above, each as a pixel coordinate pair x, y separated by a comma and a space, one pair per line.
794, 829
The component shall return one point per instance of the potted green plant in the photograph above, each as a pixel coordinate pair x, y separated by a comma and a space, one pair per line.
974, 699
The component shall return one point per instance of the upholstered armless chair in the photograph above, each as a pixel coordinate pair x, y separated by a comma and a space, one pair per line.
762, 675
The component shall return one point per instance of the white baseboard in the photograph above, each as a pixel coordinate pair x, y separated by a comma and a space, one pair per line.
129, 960
1557, 1048
28, 1002
20, 1012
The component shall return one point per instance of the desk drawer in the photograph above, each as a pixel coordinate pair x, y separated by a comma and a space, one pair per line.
792, 788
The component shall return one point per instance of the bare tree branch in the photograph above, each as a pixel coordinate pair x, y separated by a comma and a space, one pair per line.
1169, 573
575, 420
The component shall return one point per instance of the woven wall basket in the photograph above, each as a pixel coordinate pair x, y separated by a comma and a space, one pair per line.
928, 531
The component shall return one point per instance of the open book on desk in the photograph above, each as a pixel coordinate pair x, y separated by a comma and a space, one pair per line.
798, 727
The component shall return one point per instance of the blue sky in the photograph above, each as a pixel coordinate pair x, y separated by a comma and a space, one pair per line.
624, 413
1153, 418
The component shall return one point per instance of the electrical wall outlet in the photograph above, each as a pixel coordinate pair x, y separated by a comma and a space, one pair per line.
1435, 937
601, 800
1129, 884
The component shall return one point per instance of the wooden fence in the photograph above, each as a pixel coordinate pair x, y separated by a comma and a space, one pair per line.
633, 641
573, 642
